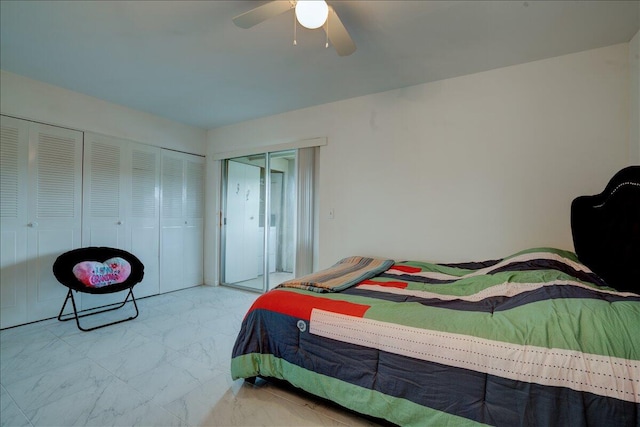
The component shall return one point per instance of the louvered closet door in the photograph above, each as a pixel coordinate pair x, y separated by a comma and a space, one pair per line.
14, 147
181, 221
121, 206
171, 223
53, 212
105, 188
144, 215
104, 202
194, 221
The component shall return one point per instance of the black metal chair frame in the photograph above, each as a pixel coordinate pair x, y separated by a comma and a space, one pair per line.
77, 317
62, 269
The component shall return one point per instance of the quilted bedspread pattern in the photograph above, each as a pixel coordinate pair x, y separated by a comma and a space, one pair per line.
531, 339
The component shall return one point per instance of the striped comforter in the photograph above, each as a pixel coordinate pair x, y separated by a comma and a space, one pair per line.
532, 339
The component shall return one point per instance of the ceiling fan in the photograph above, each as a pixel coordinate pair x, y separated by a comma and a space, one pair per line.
310, 14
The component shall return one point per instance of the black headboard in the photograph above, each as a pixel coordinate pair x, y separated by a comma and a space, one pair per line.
606, 230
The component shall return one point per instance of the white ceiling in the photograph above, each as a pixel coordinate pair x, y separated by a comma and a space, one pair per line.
187, 61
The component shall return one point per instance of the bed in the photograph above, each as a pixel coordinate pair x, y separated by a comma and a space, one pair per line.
534, 338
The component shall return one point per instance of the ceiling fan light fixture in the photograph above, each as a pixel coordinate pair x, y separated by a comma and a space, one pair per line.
312, 14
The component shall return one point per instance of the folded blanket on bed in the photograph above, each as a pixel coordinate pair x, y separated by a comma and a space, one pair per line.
345, 273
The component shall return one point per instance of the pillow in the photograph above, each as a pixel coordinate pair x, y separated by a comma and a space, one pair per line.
96, 274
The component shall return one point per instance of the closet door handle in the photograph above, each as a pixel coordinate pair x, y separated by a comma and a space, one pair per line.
33, 224
120, 222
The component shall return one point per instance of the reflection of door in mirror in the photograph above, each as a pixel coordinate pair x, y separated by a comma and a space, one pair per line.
242, 213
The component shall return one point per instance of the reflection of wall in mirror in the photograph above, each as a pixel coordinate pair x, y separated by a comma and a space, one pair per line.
272, 250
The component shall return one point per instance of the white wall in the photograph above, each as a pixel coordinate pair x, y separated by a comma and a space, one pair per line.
34, 100
634, 107
474, 167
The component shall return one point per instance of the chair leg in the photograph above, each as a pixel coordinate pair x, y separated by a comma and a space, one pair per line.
69, 295
77, 317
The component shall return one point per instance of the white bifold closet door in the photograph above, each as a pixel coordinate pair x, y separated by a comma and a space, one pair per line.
144, 216
41, 190
121, 206
14, 153
182, 221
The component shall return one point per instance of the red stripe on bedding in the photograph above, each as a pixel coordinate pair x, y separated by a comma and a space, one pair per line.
400, 285
406, 268
300, 306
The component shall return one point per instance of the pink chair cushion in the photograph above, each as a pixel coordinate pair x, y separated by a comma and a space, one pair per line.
99, 274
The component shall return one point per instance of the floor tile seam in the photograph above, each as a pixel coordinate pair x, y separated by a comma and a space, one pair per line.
73, 331
24, 415
177, 349
200, 330
102, 388
25, 339
136, 346
198, 321
155, 336
20, 329
106, 368
198, 382
31, 411
206, 298
160, 402
158, 341
87, 352
193, 359
201, 397
201, 380
64, 365
165, 408
58, 365
153, 314
146, 399
153, 322
68, 339
137, 390
17, 406
219, 343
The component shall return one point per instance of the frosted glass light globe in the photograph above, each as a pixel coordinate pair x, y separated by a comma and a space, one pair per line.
312, 13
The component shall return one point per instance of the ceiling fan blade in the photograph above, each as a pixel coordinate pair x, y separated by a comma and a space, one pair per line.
338, 35
262, 13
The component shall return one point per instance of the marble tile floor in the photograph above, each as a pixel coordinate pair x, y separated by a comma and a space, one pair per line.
274, 280
168, 367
